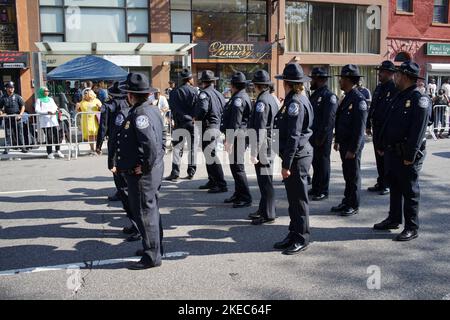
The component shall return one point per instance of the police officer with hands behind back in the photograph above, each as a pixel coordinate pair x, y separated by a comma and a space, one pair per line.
325, 104
208, 110
403, 146
235, 120
182, 104
262, 122
351, 120
294, 121
382, 97
140, 156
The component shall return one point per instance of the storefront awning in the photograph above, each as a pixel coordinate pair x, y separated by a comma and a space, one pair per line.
101, 48
438, 67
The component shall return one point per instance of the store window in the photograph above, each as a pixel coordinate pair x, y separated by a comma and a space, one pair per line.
405, 5
440, 14
369, 80
220, 20
332, 28
94, 20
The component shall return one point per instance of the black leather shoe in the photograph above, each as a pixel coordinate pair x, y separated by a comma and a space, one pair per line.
375, 188
114, 198
311, 192
217, 190
130, 230
320, 197
347, 212
339, 208
24, 150
232, 199
172, 177
295, 248
254, 215
140, 253
5, 152
386, 225
207, 186
141, 265
282, 245
261, 220
385, 191
407, 235
189, 177
134, 237
242, 204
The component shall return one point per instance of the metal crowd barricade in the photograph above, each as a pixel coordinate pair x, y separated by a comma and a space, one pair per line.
82, 120
27, 133
440, 120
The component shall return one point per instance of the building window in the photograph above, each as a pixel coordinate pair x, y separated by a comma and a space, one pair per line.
220, 20
332, 28
94, 20
405, 5
440, 14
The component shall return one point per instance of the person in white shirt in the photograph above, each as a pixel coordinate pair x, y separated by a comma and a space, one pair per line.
446, 87
432, 88
48, 121
160, 101
421, 87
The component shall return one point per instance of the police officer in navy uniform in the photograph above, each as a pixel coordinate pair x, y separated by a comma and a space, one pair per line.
182, 103
208, 109
294, 121
325, 104
235, 119
140, 156
382, 97
13, 104
365, 92
404, 148
116, 111
351, 120
261, 123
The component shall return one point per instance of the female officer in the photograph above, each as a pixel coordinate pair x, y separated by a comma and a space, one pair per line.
294, 121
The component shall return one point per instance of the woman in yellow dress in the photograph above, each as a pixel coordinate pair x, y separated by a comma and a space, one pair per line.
89, 122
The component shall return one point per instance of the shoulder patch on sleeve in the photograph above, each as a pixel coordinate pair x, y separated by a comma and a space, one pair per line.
333, 99
294, 109
202, 96
119, 120
142, 122
260, 106
363, 105
238, 102
424, 102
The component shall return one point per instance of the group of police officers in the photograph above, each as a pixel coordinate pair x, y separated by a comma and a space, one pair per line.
302, 131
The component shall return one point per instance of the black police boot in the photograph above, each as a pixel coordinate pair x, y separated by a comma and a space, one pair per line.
218, 190
262, 220
339, 208
6, 151
242, 204
234, 198
386, 225
254, 215
113, 198
172, 177
349, 211
295, 248
375, 188
142, 265
385, 191
189, 177
140, 253
407, 235
286, 243
130, 230
134, 237
207, 186
320, 197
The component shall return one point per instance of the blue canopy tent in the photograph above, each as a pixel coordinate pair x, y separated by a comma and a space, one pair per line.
88, 68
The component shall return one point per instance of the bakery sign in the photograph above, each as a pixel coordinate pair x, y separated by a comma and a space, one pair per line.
233, 51
14, 60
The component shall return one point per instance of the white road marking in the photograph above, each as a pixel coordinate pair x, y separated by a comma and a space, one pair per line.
84, 265
23, 191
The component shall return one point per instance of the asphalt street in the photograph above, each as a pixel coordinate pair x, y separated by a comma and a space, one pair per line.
55, 212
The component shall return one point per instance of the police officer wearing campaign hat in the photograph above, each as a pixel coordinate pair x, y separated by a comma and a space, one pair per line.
351, 120
12, 104
140, 156
382, 97
182, 104
294, 121
403, 144
208, 109
261, 123
325, 104
235, 120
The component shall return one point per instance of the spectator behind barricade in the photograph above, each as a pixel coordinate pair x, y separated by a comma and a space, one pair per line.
446, 87
439, 113
432, 88
160, 101
89, 121
47, 110
272, 92
101, 92
421, 87
88, 85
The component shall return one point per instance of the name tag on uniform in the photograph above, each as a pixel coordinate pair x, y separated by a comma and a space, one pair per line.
408, 104
351, 107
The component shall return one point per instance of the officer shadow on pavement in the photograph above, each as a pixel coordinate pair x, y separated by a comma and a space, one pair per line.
442, 154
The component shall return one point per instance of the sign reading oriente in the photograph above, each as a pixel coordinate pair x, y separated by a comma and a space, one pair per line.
235, 51
438, 49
